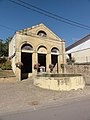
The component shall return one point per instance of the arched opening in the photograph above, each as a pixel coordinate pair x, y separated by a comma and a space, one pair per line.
26, 59
42, 33
42, 51
54, 50
26, 47
54, 58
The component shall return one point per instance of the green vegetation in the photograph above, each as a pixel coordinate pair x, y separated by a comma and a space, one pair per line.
6, 65
70, 61
2, 61
4, 47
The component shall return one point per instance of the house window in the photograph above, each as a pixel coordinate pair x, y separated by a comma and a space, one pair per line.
42, 34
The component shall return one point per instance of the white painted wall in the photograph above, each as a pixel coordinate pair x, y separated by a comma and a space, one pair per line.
12, 47
11, 52
82, 46
81, 52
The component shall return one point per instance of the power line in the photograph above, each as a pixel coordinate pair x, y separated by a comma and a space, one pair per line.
51, 16
9, 28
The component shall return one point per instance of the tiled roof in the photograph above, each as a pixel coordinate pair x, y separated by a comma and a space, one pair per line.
77, 43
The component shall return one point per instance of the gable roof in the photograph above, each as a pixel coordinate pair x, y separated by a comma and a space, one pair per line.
33, 27
78, 42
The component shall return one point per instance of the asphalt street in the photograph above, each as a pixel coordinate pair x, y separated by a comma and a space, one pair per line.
71, 110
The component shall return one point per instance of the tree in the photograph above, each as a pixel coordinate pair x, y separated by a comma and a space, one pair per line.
1, 46
4, 47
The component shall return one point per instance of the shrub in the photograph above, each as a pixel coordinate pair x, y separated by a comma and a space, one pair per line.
2, 60
70, 61
6, 65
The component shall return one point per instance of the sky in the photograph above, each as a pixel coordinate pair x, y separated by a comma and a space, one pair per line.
14, 17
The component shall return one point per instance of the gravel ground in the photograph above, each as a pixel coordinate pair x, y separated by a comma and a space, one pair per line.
16, 96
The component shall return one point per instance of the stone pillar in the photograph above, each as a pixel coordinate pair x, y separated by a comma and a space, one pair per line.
61, 61
59, 69
34, 60
18, 70
48, 62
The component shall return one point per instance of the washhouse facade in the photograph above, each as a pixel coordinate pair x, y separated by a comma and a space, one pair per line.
36, 45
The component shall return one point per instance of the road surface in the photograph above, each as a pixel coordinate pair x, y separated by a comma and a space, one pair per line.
72, 110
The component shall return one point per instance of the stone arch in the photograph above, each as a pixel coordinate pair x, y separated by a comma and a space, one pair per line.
42, 49
26, 46
54, 58
25, 43
54, 50
42, 53
41, 33
26, 58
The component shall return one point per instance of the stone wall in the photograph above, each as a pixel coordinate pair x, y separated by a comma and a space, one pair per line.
60, 83
79, 69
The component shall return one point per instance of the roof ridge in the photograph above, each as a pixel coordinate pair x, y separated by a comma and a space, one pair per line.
32, 27
76, 43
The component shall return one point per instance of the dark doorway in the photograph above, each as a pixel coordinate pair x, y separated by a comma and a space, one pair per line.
70, 56
26, 59
54, 60
42, 60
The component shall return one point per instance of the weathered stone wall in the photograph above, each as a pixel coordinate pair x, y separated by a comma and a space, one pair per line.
40, 45
79, 69
60, 83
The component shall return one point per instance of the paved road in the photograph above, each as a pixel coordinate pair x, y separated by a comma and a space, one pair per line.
72, 110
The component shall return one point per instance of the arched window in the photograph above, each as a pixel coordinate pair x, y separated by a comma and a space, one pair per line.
42, 33
26, 47
55, 50
42, 49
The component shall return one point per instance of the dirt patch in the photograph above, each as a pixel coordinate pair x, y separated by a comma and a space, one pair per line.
7, 76
6, 73
22, 95
33, 103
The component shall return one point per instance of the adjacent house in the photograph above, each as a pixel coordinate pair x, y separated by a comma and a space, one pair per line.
80, 50
36, 45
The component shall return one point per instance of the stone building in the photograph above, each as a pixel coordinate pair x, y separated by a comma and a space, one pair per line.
34, 45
